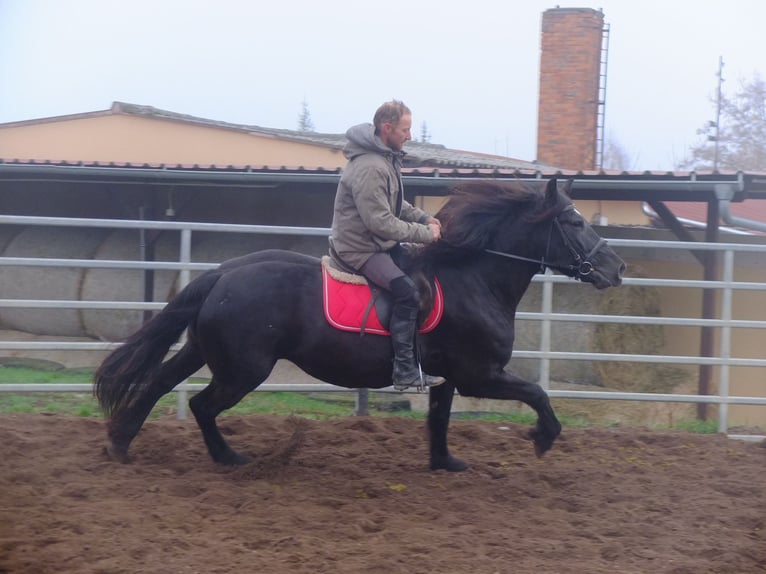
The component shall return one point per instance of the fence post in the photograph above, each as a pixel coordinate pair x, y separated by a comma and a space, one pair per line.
362, 408
545, 332
183, 281
726, 302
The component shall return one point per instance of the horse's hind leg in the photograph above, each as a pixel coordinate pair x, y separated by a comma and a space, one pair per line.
218, 396
124, 425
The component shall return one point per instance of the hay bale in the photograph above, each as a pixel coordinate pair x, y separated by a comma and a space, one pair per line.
565, 336
638, 339
599, 338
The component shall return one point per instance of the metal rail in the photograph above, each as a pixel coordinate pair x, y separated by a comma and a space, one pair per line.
727, 285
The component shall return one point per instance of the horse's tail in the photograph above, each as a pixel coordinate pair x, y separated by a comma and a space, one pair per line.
133, 365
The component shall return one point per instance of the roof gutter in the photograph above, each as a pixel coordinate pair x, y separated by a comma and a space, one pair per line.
437, 181
161, 175
725, 193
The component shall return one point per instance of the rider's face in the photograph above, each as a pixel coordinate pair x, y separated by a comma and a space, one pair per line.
395, 135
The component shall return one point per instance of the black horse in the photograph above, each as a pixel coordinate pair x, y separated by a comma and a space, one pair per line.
251, 311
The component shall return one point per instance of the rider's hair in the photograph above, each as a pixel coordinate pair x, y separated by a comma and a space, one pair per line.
390, 113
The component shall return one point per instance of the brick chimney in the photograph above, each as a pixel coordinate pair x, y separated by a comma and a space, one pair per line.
570, 68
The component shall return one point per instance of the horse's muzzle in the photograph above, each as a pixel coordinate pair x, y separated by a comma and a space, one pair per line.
608, 269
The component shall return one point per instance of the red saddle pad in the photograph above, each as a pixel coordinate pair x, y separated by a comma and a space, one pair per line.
345, 305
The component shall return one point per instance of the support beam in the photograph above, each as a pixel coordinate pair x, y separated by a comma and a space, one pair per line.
707, 335
146, 245
669, 219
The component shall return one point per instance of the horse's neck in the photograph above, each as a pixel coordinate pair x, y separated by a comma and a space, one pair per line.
506, 281
512, 285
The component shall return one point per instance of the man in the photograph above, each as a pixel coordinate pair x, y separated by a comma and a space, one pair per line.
371, 218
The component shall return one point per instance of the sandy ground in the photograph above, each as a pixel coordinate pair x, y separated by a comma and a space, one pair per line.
354, 495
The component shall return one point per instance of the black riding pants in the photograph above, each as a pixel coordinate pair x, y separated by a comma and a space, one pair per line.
381, 270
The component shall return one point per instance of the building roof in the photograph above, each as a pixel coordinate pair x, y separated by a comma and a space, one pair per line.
430, 169
418, 153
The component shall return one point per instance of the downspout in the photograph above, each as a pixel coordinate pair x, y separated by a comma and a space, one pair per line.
725, 192
652, 214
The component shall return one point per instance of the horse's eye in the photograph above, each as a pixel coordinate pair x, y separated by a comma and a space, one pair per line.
577, 222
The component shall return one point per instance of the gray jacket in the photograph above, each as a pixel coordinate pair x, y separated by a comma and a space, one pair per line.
370, 214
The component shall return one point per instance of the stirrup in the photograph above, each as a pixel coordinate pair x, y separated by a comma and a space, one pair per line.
433, 380
416, 384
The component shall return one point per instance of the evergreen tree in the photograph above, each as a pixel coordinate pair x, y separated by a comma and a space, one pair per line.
304, 119
425, 136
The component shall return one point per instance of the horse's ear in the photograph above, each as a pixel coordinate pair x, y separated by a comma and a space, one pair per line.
567, 189
551, 192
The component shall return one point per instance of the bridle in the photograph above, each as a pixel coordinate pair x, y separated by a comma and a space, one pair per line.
581, 265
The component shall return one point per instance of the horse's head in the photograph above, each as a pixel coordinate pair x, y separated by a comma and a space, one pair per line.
574, 248
515, 221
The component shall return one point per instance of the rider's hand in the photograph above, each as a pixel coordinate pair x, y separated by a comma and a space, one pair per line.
436, 229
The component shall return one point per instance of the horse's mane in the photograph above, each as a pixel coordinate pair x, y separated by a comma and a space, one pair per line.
475, 211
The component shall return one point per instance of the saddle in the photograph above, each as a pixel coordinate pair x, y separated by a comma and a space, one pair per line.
351, 303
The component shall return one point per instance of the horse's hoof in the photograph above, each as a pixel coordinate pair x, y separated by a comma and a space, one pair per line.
116, 454
448, 463
543, 443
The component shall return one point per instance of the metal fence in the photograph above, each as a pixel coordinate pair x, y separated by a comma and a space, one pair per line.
725, 359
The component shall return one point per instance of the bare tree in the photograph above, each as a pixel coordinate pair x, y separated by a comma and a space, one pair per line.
738, 140
615, 156
304, 119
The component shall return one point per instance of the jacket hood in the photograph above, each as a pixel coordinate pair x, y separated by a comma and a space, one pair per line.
362, 140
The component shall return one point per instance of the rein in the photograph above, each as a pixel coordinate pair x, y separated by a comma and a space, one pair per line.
581, 266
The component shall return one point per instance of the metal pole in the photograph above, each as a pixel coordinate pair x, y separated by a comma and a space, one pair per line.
545, 333
726, 314
362, 408
718, 113
183, 281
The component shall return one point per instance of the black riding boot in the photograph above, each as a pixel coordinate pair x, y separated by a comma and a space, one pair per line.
404, 317
402, 328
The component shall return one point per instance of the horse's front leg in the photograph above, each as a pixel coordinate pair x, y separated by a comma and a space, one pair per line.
439, 407
505, 386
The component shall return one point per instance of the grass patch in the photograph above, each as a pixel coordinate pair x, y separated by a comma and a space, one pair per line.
290, 404
307, 405
78, 404
697, 426
30, 375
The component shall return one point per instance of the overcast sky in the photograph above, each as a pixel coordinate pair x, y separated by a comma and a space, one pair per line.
468, 69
